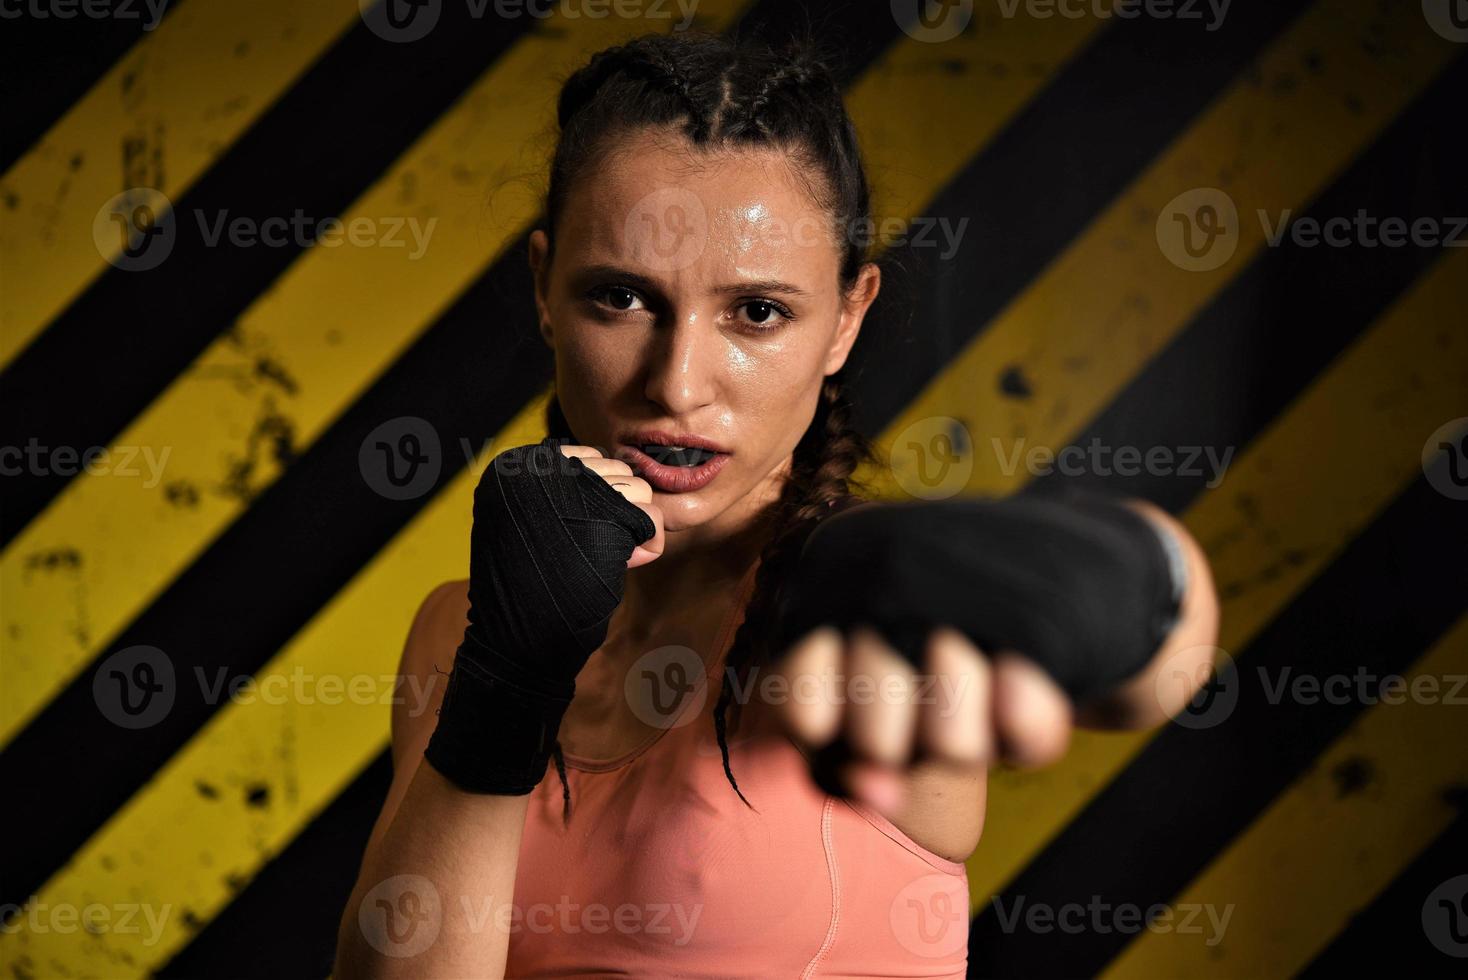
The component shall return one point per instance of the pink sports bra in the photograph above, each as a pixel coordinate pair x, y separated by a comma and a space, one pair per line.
664, 872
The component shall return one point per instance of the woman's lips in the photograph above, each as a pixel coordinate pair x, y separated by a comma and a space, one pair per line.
672, 479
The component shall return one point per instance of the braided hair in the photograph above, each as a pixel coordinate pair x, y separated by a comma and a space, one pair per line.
732, 92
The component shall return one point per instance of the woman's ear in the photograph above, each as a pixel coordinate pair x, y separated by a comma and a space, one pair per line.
539, 254
854, 305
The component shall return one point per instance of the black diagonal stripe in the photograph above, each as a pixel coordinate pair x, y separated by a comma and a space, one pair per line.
1375, 610
307, 885
1044, 176
1017, 157
129, 334
1387, 937
298, 544
49, 62
1257, 344
272, 570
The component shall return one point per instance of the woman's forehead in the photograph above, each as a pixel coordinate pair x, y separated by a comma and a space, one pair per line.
648, 205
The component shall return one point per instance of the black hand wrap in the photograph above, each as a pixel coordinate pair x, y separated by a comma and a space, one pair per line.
1081, 584
547, 562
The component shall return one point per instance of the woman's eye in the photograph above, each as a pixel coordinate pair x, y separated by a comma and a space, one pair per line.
765, 315
619, 298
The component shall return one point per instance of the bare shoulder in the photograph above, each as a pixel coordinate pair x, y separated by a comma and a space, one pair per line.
437, 628
428, 655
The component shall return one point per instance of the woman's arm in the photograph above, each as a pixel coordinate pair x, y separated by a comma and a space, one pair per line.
440, 862
1004, 707
1182, 664
944, 805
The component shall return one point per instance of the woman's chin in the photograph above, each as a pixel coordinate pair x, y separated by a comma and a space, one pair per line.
682, 511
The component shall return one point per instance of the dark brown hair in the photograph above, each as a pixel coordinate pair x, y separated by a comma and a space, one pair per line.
731, 92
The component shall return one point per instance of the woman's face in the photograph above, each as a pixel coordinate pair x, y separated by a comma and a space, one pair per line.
695, 295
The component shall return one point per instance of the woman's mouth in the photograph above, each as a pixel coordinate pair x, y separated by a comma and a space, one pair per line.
673, 468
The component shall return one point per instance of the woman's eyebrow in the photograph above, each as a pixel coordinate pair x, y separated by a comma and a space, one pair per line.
763, 286
637, 280
625, 276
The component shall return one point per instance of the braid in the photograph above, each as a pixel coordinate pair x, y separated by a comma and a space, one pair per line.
821, 476
565, 786
673, 77
807, 79
648, 61
557, 427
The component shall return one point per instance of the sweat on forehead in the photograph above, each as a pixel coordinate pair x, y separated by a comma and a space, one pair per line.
744, 204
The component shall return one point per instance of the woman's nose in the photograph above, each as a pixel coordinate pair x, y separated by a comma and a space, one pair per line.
683, 373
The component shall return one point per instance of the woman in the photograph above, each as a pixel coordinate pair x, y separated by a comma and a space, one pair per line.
795, 797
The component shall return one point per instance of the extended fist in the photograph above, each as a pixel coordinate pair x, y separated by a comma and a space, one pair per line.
966, 630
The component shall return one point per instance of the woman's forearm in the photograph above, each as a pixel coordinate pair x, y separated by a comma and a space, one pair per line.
434, 887
1182, 664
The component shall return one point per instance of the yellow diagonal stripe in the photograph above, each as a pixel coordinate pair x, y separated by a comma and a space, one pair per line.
159, 118
219, 846
1081, 330
1306, 486
172, 844
291, 364
1288, 885
339, 317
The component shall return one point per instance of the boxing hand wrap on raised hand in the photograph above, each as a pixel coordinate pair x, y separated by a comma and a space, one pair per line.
1078, 582
547, 562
